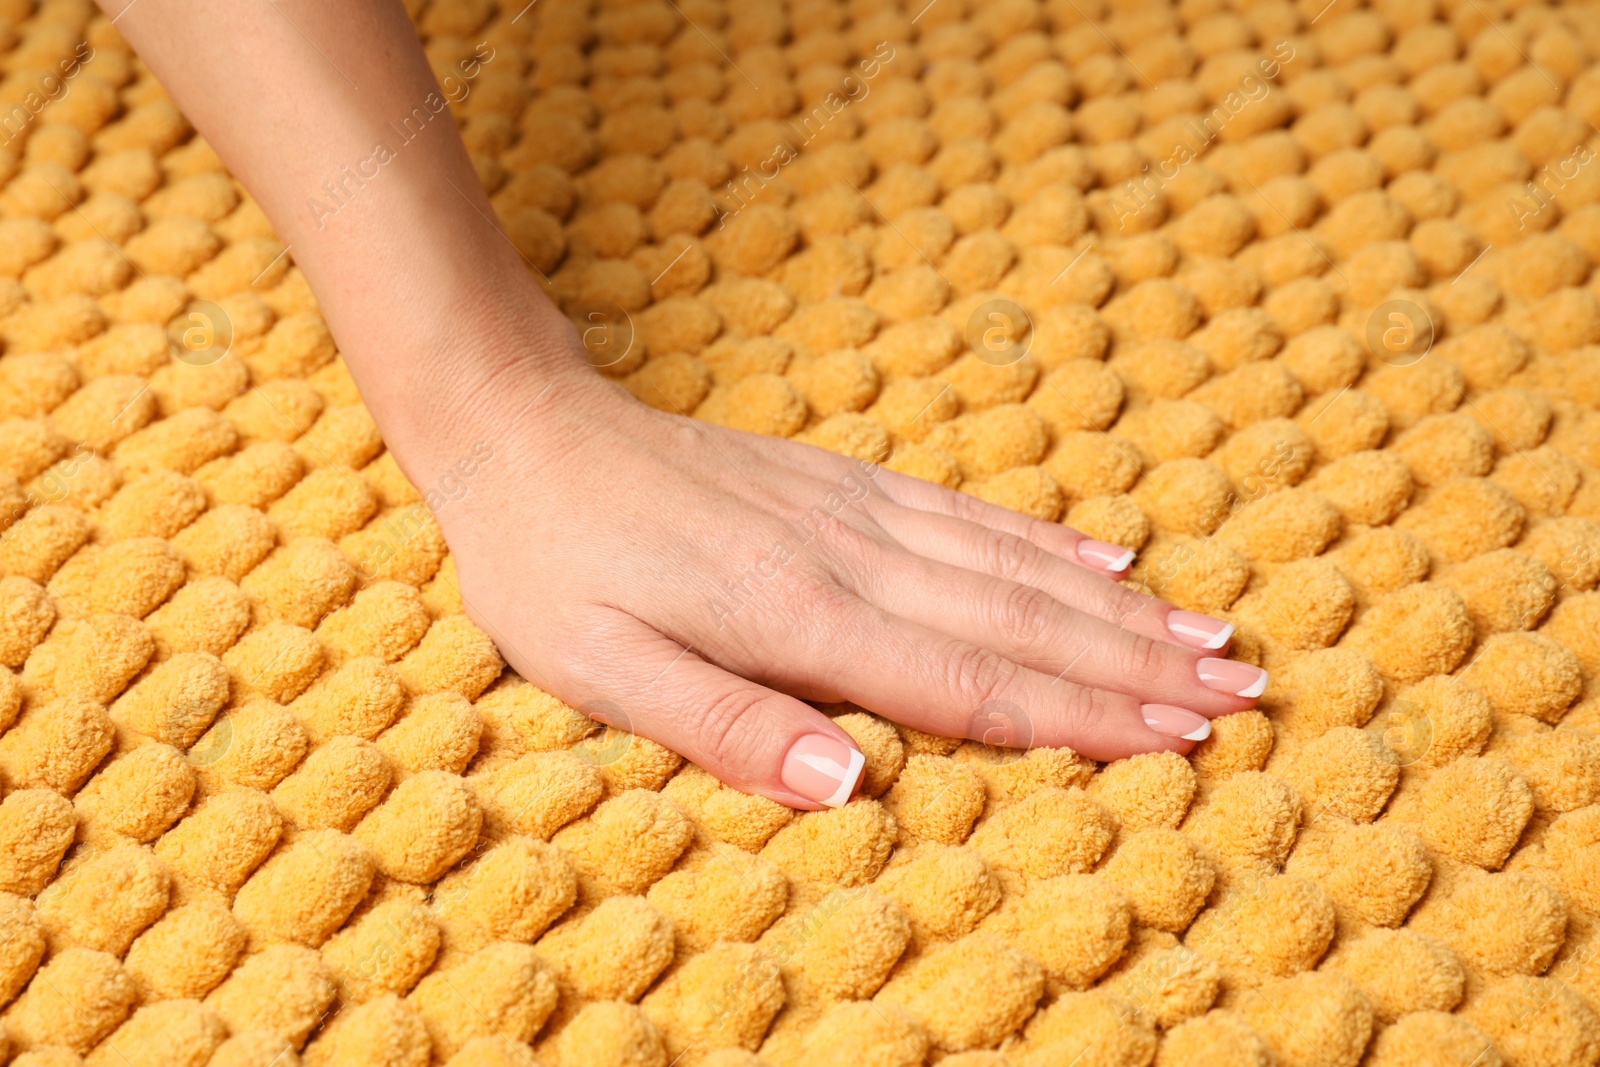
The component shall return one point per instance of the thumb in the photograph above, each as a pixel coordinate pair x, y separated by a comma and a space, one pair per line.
753, 738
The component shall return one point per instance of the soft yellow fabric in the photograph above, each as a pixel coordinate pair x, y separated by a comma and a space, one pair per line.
1296, 299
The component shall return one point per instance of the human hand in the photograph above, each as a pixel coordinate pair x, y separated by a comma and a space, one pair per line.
707, 581
600, 548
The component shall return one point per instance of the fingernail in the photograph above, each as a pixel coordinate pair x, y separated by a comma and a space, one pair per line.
823, 769
1231, 676
1176, 722
1199, 631
1104, 557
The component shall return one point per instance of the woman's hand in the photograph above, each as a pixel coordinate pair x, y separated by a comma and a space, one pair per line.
689, 582
673, 574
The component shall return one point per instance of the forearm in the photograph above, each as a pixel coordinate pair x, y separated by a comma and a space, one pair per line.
330, 115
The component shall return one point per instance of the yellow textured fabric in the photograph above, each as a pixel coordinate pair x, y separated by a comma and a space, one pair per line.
1297, 299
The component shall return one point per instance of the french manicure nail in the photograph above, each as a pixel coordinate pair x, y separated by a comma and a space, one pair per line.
823, 769
1199, 631
1104, 557
1176, 722
1231, 676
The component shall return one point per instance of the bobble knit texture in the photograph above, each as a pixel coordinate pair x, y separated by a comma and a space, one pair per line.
272, 799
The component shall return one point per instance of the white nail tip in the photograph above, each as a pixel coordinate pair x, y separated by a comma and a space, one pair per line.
1122, 562
1256, 689
851, 773
1220, 639
1199, 733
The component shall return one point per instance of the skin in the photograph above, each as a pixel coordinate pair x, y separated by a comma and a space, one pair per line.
598, 544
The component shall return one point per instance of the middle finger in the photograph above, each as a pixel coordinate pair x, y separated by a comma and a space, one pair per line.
1006, 556
1028, 626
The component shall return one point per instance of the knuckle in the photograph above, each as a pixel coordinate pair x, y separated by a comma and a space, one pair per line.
1009, 556
823, 608
1023, 616
979, 675
1085, 712
1121, 605
827, 595
964, 505
1141, 660
827, 625
795, 613
811, 586
729, 728
857, 550
794, 592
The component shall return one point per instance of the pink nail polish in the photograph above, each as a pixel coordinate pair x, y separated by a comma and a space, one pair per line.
1176, 722
823, 769
1199, 631
1231, 676
1113, 559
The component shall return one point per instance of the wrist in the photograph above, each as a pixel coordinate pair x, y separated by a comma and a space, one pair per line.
512, 380
440, 358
